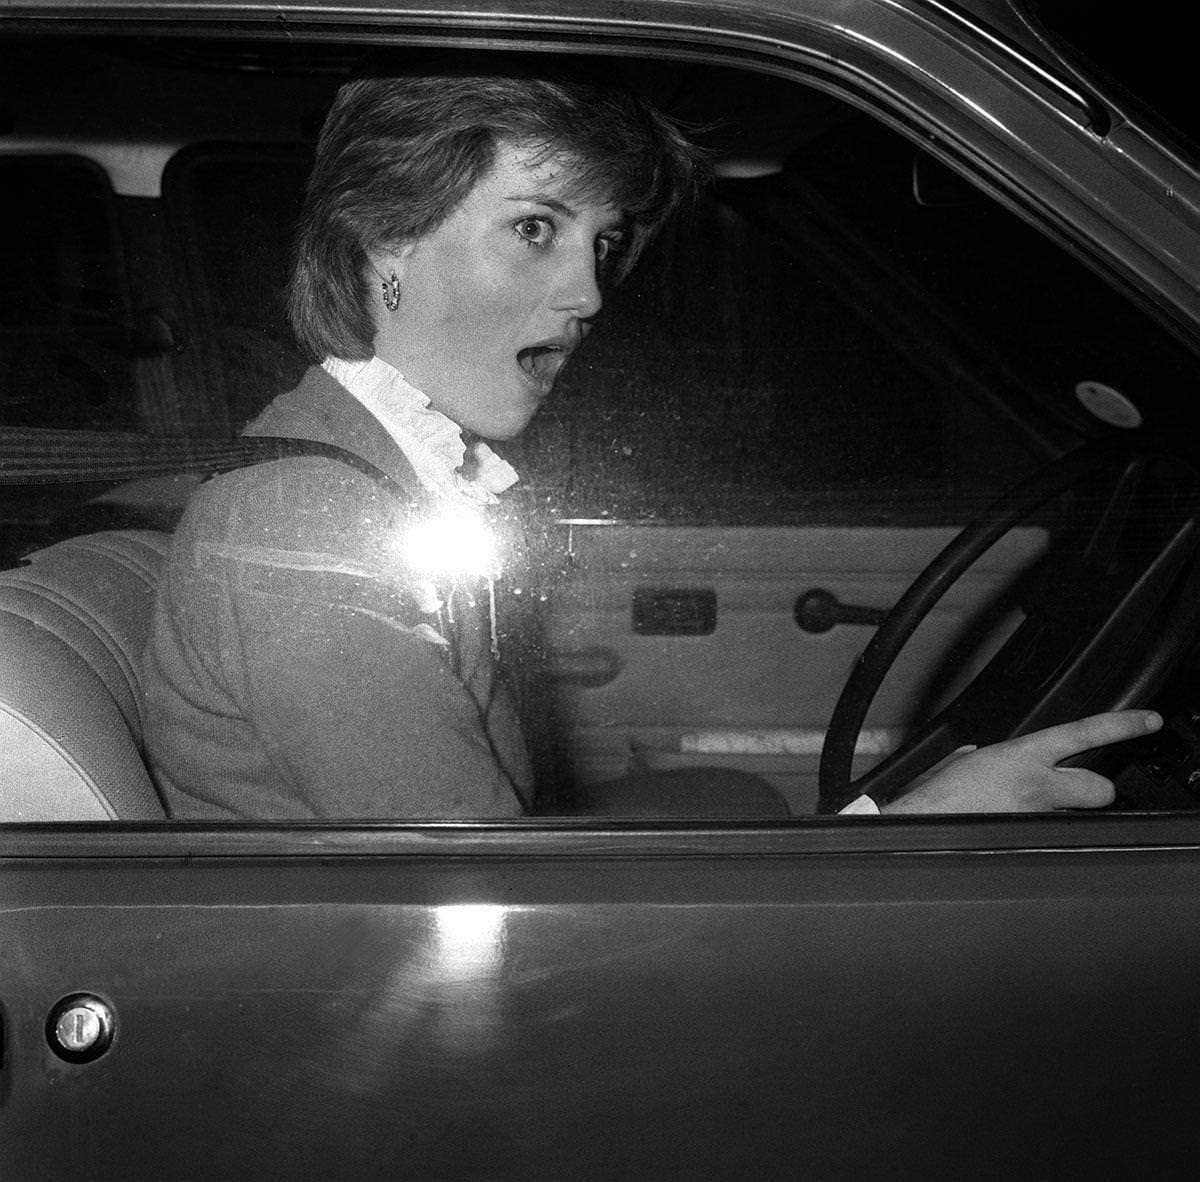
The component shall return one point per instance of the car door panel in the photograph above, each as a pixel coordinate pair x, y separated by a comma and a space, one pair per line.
790, 1002
755, 691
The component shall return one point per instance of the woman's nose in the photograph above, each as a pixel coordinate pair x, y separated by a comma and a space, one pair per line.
578, 289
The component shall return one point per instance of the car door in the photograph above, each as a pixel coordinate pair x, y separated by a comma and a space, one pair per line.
563, 997
820, 999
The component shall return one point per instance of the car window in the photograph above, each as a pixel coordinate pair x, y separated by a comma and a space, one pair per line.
235, 208
63, 306
677, 360
741, 336
65, 358
853, 336
832, 363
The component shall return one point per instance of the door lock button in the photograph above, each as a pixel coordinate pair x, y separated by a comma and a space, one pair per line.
80, 1028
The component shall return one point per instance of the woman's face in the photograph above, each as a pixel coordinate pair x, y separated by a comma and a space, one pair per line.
497, 298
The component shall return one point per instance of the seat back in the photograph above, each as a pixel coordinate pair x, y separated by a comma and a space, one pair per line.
74, 620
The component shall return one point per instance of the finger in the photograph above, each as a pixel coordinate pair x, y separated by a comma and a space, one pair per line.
1078, 788
1060, 742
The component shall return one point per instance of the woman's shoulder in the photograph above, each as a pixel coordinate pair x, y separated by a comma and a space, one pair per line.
297, 503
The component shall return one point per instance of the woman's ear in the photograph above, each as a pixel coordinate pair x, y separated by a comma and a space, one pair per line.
389, 259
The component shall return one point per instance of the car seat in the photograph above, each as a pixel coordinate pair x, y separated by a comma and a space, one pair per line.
74, 620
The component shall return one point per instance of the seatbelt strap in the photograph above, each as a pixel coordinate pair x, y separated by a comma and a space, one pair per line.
45, 455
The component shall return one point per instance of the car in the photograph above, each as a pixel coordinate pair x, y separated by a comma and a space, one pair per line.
885, 447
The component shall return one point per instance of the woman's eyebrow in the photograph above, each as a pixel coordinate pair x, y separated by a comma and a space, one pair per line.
549, 202
560, 207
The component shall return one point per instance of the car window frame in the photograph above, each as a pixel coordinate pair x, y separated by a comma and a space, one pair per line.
468, 842
851, 78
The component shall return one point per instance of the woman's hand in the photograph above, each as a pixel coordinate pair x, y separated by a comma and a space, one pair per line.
1021, 775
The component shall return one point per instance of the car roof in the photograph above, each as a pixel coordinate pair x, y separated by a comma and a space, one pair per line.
998, 21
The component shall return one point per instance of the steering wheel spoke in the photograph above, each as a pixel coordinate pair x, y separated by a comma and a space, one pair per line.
923, 749
1112, 513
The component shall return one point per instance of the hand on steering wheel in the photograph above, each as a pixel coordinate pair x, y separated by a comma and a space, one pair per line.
1025, 774
1100, 634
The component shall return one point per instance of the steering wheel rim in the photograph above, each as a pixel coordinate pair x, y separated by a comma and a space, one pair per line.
1143, 671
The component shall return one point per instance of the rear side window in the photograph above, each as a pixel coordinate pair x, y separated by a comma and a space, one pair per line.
62, 307
65, 356
235, 207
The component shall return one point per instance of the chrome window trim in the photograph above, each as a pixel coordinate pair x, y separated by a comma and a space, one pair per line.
1063, 833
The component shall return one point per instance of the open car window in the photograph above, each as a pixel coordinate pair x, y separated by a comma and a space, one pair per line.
836, 361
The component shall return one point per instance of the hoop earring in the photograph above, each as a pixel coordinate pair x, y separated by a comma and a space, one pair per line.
391, 292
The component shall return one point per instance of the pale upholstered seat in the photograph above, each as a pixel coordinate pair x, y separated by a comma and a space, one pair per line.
74, 619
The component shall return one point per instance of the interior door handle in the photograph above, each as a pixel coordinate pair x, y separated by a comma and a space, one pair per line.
819, 610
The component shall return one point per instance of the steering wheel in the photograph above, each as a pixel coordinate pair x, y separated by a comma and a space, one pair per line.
1104, 624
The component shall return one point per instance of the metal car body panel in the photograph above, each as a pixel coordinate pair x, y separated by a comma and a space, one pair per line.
815, 998
682, 1003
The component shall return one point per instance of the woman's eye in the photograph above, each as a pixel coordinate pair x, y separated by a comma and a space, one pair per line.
535, 231
609, 246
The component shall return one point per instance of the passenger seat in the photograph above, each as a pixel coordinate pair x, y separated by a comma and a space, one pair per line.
74, 619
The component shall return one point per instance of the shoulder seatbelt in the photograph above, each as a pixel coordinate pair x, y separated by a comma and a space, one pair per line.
44, 455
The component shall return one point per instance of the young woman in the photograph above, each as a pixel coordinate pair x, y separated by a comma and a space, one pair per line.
457, 238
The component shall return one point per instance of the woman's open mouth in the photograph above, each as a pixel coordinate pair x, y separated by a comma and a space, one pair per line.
541, 364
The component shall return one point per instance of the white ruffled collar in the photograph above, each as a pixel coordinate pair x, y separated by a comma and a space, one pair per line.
432, 442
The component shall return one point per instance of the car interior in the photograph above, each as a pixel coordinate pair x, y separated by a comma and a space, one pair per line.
829, 368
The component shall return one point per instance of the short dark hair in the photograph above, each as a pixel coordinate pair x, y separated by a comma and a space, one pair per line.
397, 155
